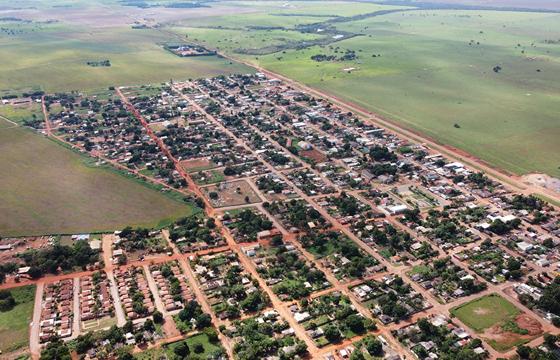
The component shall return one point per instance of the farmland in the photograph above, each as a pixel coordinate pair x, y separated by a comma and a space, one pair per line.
409, 66
48, 189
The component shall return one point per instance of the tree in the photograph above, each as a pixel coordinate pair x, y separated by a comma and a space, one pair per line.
198, 348
203, 321
374, 347
523, 351
211, 334
56, 350
182, 349
355, 323
158, 317
7, 301
332, 333
550, 340
149, 325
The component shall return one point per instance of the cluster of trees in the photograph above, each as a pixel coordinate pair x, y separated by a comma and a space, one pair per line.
345, 316
368, 346
381, 153
193, 229
347, 205
234, 289
528, 353
294, 270
248, 224
297, 213
449, 272
7, 268
193, 311
7, 301
529, 203
259, 341
324, 243
446, 343
266, 183
140, 239
550, 300
499, 227
100, 63
59, 258
107, 342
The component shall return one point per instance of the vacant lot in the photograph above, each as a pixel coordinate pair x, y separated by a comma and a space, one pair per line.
498, 321
192, 341
14, 324
231, 194
45, 189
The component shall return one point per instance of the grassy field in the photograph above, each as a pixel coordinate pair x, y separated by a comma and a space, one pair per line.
485, 312
435, 70
167, 350
53, 55
20, 113
14, 324
429, 78
45, 188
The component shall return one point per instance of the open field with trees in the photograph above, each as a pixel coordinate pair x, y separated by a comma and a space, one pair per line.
49, 48
45, 188
15, 315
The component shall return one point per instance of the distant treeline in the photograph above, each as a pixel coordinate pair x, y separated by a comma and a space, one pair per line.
441, 6
176, 5
99, 63
296, 45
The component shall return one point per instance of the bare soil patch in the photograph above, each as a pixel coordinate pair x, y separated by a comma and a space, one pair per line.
314, 154
503, 340
231, 194
542, 180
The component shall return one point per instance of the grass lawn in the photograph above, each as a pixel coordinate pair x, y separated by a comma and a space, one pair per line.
485, 312
14, 324
48, 189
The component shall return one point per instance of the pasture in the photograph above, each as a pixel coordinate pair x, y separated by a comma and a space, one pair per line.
52, 55
48, 189
14, 324
429, 78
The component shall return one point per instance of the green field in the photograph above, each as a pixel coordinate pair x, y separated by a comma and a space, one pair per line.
485, 312
51, 51
46, 188
14, 324
192, 341
435, 71
20, 113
